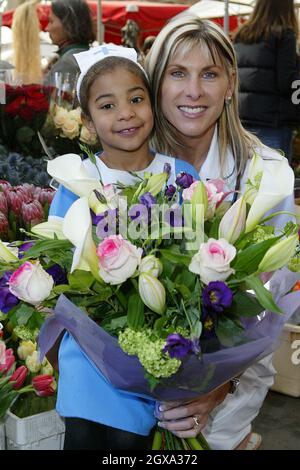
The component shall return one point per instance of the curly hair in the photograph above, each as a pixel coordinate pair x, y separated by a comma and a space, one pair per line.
76, 19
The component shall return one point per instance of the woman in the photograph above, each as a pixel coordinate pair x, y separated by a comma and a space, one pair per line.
70, 28
26, 44
268, 66
193, 73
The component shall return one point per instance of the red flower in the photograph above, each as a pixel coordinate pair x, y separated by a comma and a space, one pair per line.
26, 113
3, 225
32, 212
4, 185
15, 199
43, 385
18, 377
45, 195
3, 203
14, 107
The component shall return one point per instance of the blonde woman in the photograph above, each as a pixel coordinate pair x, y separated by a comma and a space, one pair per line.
193, 74
26, 44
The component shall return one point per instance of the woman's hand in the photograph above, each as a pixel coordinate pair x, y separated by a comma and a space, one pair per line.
187, 419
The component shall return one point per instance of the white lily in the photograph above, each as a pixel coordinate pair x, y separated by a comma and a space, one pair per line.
77, 227
233, 221
277, 182
152, 293
50, 229
70, 171
8, 253
279, 254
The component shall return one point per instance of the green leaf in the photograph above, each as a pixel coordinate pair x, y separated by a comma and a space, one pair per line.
229, 331
24, 135
174, 255
245, 305
135, 312
247, 261
263, 295
22, 314
80, 279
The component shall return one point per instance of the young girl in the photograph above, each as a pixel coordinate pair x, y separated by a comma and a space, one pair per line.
113, 91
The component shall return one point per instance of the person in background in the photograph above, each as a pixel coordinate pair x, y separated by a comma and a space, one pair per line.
147, 44
268, 65
70, 28
26, 44
192, 70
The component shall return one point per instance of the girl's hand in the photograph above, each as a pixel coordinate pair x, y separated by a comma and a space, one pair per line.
187, 418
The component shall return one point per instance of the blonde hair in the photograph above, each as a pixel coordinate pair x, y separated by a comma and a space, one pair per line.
26, 43
184, 32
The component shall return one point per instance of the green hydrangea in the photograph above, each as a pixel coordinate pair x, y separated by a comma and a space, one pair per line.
294, 263
25, 333
262, 233
155, 362
148, 348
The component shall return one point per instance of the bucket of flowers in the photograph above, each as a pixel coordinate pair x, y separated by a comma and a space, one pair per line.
159, 276
22, 114
21, 207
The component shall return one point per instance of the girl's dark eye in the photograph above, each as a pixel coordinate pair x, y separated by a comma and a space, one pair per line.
106, 106
137, 99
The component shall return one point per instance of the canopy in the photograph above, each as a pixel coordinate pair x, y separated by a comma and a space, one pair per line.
150, 16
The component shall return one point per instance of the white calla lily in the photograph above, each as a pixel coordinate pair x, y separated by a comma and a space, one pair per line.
80, 235
233, 221
50, 229
70, 171
8, 253
277, 182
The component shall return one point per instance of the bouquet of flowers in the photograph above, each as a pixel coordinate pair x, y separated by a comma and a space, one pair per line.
64, 130
22, 115
167, 271
21, 207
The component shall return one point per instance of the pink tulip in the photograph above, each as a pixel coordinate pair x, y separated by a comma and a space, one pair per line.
18, 377
45, 196
9, 361
43, 385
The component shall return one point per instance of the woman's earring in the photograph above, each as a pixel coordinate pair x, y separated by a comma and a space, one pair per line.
228, 100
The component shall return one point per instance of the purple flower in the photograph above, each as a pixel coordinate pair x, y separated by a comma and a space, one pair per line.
58, 273
170, 191
23, 248
7, 299
184, 180
217, 296
147, 200
177, 346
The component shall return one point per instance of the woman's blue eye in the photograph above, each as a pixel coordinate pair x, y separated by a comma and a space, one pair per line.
177, 74
209, 75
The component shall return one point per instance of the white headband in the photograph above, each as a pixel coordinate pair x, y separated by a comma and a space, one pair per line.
87, 59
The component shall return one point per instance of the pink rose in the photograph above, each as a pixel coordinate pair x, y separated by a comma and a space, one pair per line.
31, 283
118, 259
212, 262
